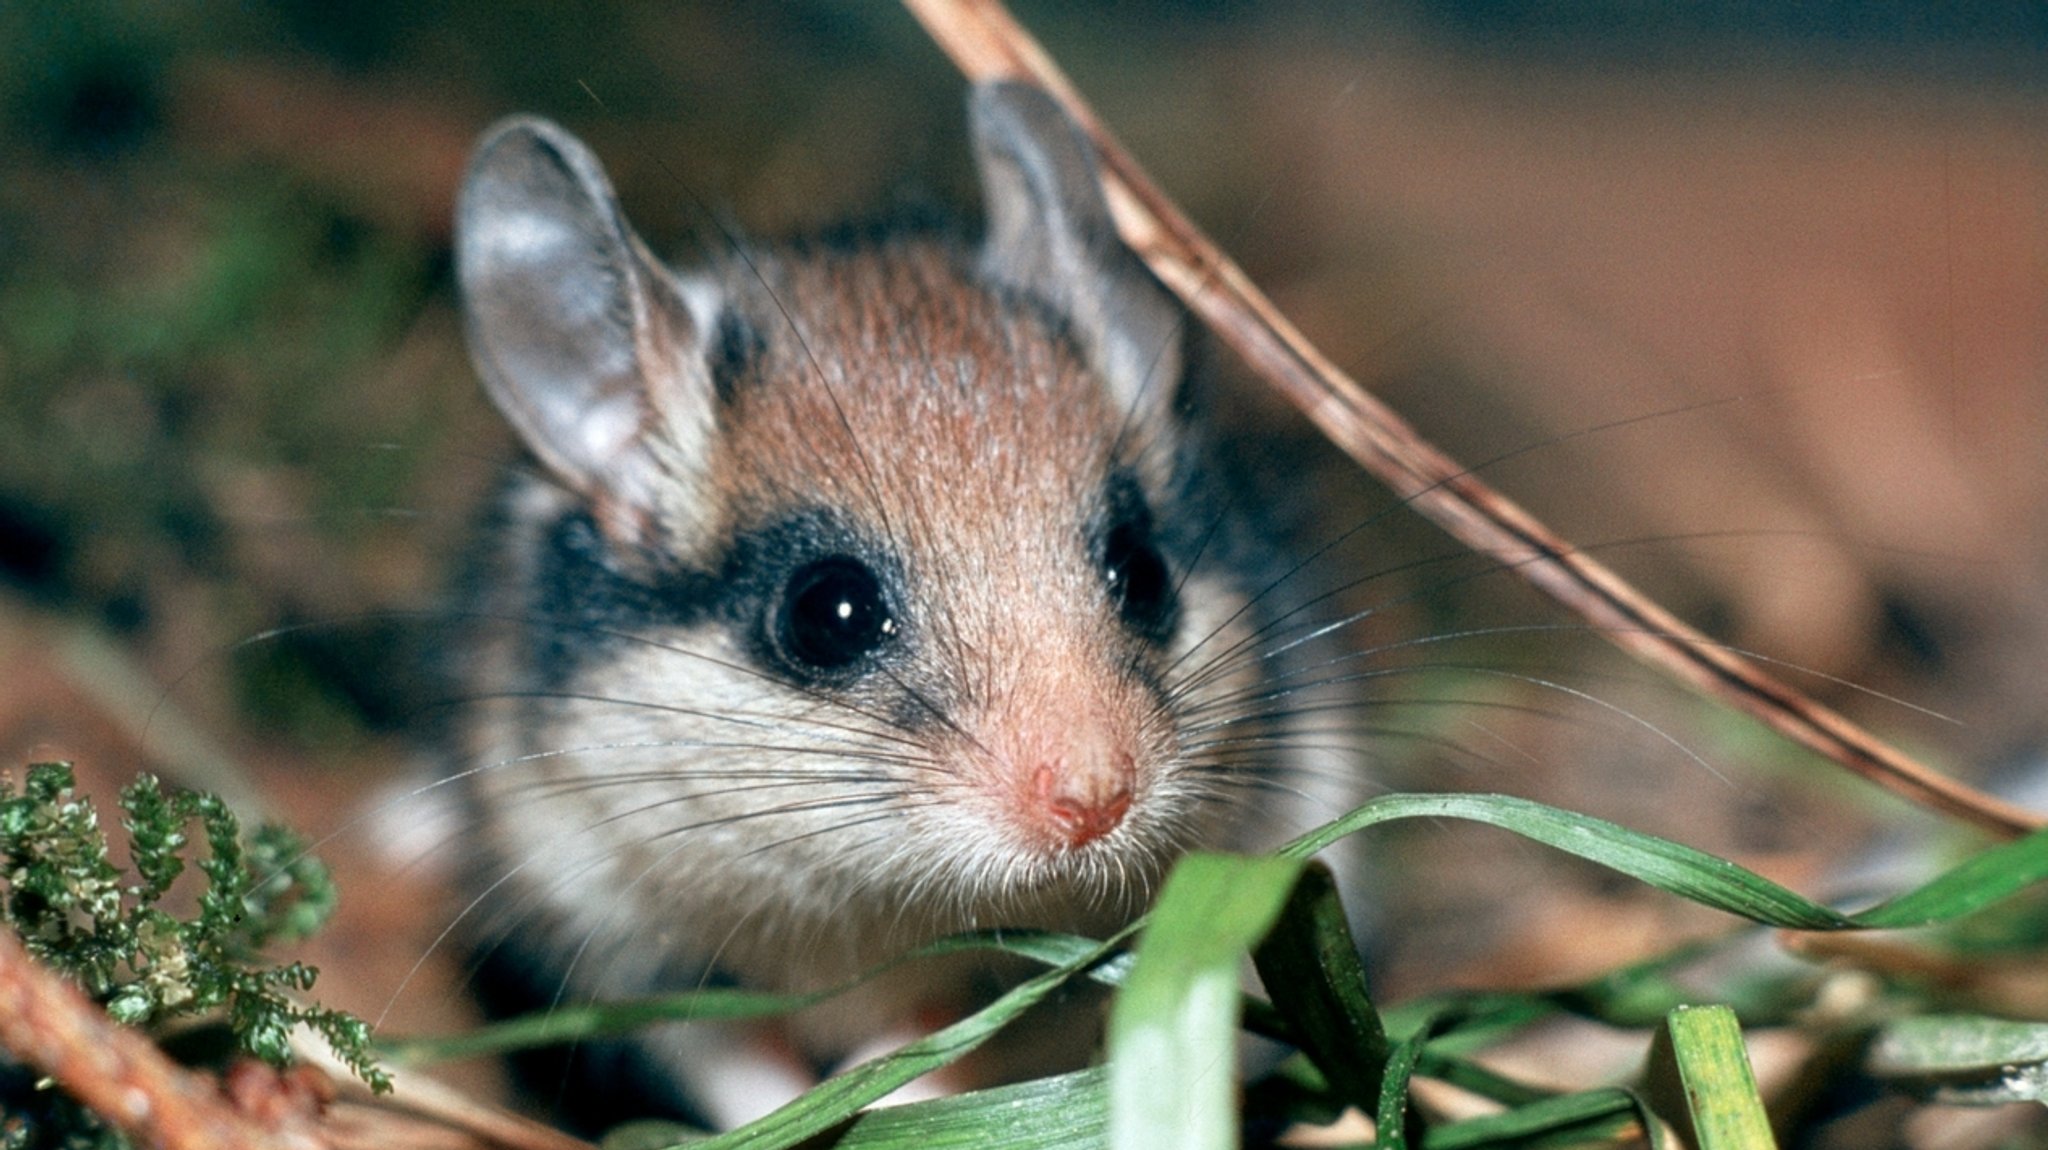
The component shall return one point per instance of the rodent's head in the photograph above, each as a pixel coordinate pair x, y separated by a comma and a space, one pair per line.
891, 559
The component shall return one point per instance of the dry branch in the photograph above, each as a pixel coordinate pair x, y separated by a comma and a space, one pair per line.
422, 1112
50, 1025
987, 43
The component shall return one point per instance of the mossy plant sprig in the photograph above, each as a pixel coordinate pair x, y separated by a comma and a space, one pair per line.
82, 915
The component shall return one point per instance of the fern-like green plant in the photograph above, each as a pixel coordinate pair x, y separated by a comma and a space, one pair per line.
109, 929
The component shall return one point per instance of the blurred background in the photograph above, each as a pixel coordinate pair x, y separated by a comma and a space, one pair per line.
1752, 296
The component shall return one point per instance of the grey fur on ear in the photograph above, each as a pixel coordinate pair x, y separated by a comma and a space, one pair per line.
1050, 234
584, 341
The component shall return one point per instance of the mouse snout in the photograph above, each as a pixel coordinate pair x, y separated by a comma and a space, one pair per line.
1061, 758
1061, 785
1076, 802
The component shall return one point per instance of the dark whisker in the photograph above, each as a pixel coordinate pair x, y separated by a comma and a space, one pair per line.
442, 615
1312, 628
1616, 709
1476, 469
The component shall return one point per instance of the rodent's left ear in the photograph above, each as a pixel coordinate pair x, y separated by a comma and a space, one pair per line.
1050, 234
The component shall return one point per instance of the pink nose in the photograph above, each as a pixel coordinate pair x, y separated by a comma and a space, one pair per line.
1077, 807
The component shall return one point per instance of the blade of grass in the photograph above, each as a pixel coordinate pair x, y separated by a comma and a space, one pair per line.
1198, 935
1295, 1091
1310, 967
839, 1098
1064, 1112
1966, 1058
1973, 884
1390, 1117
1720, 1091
1483, 1017
1569, 1119
585, 1021
1173, 1028
1477, 1079
1693, 874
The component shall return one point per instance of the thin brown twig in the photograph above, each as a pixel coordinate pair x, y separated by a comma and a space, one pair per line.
419, 1095
117, 1073
49, 1024
986, 43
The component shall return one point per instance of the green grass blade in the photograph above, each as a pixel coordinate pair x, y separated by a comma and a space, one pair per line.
1171, 1080
1173, 1028
1066, 1112
1666, 865
1720, 1091
1390, 1117
1966, 1059
840, 1097
1293, 1091
1311, 970
583, 1022
1693, 874
1481, 1017
1569, 1119
1977, 882
1475, 1078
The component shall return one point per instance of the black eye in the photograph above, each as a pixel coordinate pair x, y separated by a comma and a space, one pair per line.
1139, 583
833, 614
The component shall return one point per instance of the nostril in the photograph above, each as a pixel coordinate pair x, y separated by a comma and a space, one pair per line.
1081, 821
1068, 802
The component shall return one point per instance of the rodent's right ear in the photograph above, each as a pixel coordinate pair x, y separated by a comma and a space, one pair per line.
1051, 234
584, 341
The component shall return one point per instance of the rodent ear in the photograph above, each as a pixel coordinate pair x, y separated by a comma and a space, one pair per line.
1050, 234
584, 341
